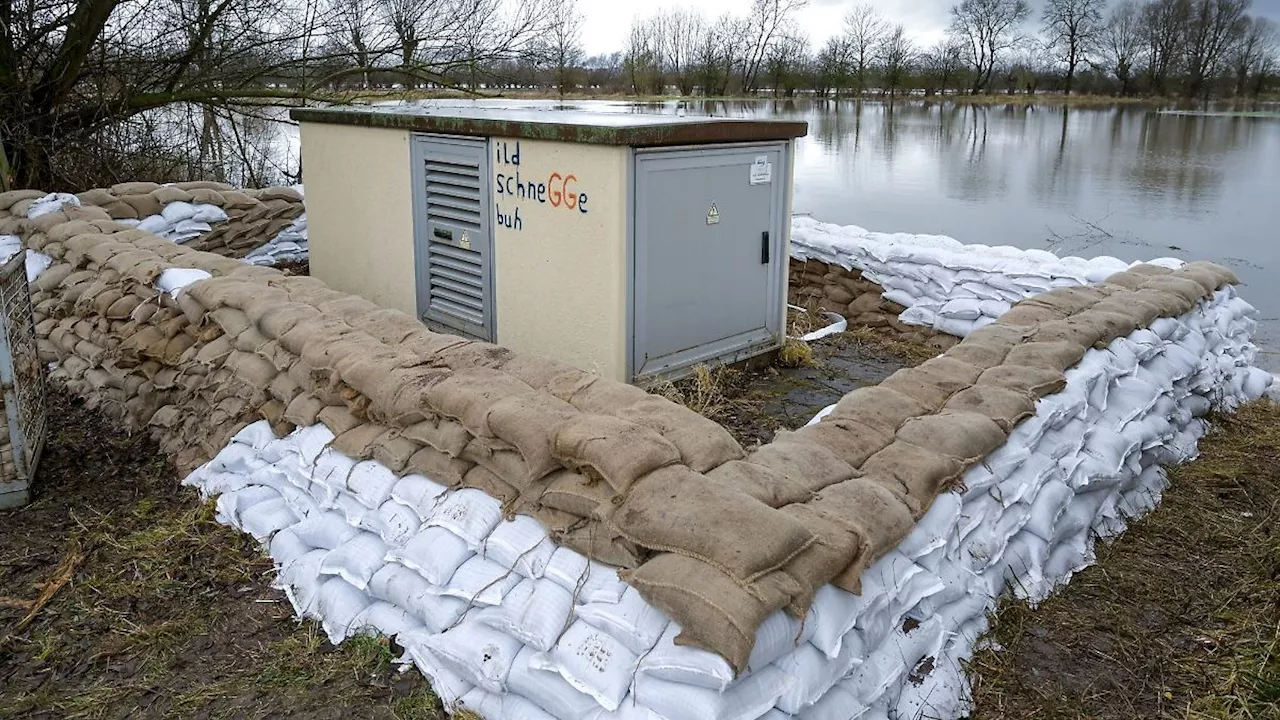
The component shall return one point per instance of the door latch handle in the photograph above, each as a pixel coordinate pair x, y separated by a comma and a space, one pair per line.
764, 248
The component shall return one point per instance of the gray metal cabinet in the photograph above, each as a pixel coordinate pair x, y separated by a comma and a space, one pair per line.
708, 248
453, 239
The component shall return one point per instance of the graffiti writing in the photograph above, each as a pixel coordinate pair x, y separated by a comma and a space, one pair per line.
558, 190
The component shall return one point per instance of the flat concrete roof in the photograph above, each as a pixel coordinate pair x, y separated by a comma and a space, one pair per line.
548, 122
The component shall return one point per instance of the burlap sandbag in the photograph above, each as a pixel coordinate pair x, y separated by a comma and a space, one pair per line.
489, 483
501, 459
771, 487
611, 449
447, 436
933, 382
394, 450
251, 369
320, 327
1212, 275
878, 407
529, 422
574, 493
677, 510
358, 442
1068, 300
1027, 315
1037, 382
713, 611
838, 548
1005, 406
303, 410
1187, 289
1150, 271
468, 395
338, 419
541, 373
1073, 330
849, 440
809, 464
1057, 355
390, 327
916, 474
966, 436
876, 513
1112, 324
438, 466
603, 542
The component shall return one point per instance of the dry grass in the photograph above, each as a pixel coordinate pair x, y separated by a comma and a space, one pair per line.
167, 614
796, 354
1181, 616
709, 391
911, 352
803, 322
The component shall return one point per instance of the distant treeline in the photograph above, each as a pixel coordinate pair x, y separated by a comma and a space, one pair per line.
94, 91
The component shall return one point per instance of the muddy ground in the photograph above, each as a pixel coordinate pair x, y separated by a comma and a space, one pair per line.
164, 613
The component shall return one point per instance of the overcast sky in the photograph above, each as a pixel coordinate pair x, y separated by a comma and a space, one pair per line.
607, 21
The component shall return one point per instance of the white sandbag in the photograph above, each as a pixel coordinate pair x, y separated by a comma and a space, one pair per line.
631, 620
399, 522
263, 519
593, 662
812, 673
50, 203
479, 582
419, 493
547, 689
434, 553
383, 618
534, 611
371, 483
174, 280
567, 568
300, 580
406, 589
325, 530
521, 544
448, 685
338, 604
685, 665
231, 505
468, 513
357, 559
478, 653
286, 547
493, 706
749, 698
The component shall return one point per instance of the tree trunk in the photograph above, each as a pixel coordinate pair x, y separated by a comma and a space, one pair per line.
6, 183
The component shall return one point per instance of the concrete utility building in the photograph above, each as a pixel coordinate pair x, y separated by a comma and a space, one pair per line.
635, 245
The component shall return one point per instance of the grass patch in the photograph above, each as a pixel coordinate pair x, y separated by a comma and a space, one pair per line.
1181, 616
796, 354
803, 322
709, 391
169, 614
909, 351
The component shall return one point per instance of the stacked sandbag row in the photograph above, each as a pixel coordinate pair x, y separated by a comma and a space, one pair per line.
944, 284
513, 628
288, 246
813, 284
210, 216
716, 541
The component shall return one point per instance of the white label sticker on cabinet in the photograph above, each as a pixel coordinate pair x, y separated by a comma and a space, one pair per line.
761, 171
713, 215
465, 242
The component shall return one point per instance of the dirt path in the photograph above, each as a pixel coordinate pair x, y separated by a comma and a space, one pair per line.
167, 614
1181, 616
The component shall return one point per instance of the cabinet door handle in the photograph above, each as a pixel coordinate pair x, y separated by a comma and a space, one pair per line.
764, 248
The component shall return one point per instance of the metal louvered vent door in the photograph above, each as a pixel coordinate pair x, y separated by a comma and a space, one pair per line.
452, 235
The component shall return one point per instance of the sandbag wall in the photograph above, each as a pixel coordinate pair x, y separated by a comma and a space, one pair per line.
510, 626
717, 540
209, 216
931, 281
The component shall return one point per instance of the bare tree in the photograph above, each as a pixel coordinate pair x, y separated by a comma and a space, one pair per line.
720, 54
680, 32
768, 20
941, 64
354, 27
1164, 25
785, 60
1254, 54
864, 31
1120, 43
643, 57
987, 29
897, 53
1214, 27
564, 41
1073, 28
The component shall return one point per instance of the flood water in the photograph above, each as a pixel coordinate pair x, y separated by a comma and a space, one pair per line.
1132, 181
1129, 181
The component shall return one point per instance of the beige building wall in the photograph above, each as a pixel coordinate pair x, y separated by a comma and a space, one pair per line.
360, 211
560, 273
